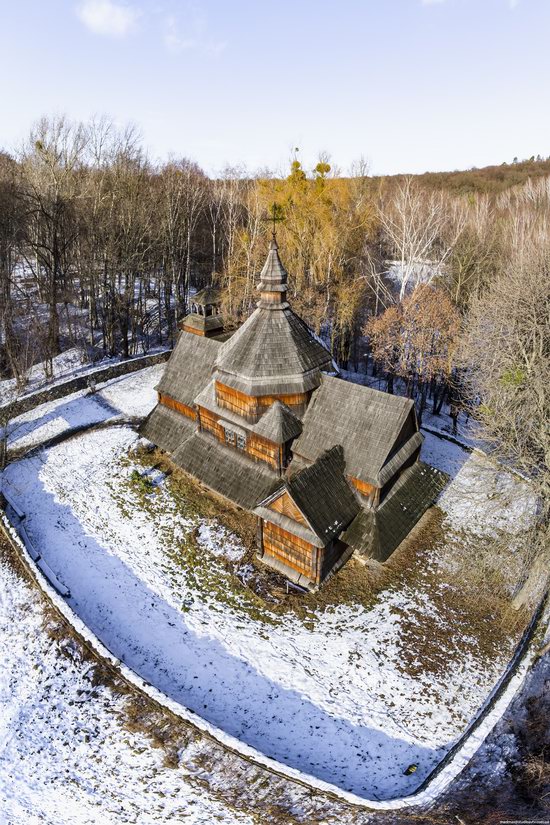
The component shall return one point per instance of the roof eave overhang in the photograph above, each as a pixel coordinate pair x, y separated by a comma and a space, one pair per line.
256, 386
288, 524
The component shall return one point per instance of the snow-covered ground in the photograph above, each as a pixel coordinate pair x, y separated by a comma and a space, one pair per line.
65, 754
129, 395
329, 695
68, 365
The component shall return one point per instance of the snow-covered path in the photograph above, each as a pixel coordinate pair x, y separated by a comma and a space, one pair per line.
65, 755
130, 395
330, 696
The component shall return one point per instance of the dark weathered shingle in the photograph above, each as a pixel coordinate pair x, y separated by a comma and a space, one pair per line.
189, 368
364, 421
225, 470
322, 494
377, 533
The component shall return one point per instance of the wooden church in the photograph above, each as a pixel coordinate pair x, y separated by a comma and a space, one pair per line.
262, 418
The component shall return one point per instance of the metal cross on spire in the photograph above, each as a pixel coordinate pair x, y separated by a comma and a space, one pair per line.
276, 215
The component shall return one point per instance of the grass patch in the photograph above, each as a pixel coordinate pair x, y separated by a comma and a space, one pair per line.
457, 586
471, 609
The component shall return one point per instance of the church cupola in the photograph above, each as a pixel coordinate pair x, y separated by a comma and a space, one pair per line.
273, 281
273, 355
205, 318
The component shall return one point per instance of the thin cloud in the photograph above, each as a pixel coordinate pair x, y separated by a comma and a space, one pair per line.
176, 42
173, 40
107, 18
431, 2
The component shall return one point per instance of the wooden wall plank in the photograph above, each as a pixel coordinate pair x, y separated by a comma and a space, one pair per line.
168, 401
285, 505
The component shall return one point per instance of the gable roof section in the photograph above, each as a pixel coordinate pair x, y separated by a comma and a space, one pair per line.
364, 421
226, 471
274, 351
278, 424
189, 368
322, 495
377, 533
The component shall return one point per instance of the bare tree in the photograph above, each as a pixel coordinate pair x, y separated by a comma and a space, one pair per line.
51, 161
506, 354
414, 223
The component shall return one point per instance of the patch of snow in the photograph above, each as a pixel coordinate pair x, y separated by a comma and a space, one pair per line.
129, 395
65, 755
220, 542
329, 698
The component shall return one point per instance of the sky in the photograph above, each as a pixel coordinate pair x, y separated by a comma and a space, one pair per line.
407, 85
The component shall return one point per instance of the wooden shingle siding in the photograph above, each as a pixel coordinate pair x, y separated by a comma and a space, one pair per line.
209, 422
362, 486
263, 450
291, 550
168, 401
251, 407
286, 506
192, 330
369, 491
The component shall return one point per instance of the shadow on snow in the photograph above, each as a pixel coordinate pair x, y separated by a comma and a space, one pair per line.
161, 644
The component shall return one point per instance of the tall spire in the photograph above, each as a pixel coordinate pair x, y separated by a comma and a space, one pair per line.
273, 280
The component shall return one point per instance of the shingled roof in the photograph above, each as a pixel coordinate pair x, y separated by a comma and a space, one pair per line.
189, 368
167, 428
278, 424
323, 496
274, 352
377, 533
224, 470
206, 296
364, 421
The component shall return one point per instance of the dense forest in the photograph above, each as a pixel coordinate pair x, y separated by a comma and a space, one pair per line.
438, 281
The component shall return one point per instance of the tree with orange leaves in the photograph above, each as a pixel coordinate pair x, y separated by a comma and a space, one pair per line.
416, 340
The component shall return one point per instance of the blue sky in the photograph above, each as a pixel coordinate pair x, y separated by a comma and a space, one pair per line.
410, 85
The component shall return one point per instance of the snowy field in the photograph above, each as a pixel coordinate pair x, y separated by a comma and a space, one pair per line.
129, 396
65, 754
330, 694
68, 365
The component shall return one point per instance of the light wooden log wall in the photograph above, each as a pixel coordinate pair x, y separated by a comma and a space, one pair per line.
256, 447
193, 331
251, 407
263, 450
168, 401
291, 550
209, 421
286, 507
368, 490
